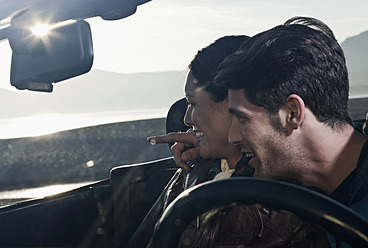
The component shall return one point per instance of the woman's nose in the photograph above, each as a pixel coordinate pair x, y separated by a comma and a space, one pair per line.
188, 117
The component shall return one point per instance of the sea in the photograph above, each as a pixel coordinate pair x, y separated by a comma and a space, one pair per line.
37, 125
54, 122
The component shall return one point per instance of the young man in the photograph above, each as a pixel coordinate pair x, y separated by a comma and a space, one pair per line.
288, 93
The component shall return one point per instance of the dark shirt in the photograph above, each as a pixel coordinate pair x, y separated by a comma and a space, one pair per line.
353, 191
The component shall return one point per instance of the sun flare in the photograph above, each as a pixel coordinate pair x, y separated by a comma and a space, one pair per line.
41, 29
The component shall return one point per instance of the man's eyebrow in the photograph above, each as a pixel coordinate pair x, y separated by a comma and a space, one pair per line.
233, 111
240, 114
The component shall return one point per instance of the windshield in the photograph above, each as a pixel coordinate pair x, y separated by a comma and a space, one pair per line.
51, 142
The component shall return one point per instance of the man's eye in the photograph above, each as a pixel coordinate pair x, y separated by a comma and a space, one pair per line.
243, 119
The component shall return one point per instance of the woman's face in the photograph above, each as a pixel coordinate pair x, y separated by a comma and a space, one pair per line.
211, 120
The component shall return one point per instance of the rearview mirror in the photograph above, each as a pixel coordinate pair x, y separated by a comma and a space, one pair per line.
53, 54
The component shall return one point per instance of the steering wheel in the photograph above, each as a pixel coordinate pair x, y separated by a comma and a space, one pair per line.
333, 216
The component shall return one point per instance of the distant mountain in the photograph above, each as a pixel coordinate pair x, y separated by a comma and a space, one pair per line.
98, 91
356, 53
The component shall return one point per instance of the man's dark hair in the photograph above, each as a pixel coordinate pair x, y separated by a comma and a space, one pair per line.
205, 63
300, 57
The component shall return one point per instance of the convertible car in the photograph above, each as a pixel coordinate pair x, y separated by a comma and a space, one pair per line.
106, 212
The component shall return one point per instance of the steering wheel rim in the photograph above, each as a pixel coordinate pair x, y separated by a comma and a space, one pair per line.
335, 217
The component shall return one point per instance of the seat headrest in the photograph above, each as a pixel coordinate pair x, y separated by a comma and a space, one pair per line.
175, 117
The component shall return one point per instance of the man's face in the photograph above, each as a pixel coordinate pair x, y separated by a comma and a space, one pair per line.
251, 129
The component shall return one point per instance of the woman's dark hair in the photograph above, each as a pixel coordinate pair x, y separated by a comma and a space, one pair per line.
205, 63
300, 57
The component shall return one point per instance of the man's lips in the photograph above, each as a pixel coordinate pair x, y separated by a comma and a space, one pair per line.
246, 169
251, 157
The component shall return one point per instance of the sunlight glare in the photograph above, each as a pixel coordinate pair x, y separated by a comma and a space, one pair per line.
38, 125
50, 123
40, 191
41, 29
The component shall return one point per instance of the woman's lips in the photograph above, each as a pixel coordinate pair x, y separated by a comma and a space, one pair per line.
199, 135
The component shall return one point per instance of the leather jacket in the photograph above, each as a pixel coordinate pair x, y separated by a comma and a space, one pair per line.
177, 184
240, 226
255, 227
250, 226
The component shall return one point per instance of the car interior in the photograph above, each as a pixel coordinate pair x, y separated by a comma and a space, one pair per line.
106, 213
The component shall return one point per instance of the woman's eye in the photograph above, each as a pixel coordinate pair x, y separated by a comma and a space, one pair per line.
190, 104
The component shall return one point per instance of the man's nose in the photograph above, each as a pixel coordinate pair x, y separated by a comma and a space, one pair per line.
235, 136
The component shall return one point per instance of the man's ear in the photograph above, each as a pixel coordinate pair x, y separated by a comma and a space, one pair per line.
295, 111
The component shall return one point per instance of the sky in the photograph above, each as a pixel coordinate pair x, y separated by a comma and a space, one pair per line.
165, 34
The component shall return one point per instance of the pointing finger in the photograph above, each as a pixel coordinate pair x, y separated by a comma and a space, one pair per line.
188, 138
